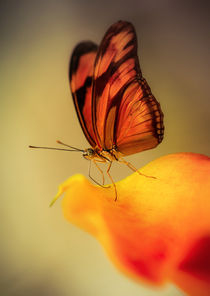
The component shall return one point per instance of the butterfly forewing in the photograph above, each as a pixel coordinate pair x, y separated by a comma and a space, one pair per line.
125, 113
80, 76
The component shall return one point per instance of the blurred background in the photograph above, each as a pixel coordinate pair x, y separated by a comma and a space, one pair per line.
41, 253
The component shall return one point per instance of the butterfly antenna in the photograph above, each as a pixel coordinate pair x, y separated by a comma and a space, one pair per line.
53, 148
76, 149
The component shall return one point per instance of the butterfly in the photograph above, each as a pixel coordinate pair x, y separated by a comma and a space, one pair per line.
116, 109
118, 113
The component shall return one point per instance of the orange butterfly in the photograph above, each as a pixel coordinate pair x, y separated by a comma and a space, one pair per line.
116, 109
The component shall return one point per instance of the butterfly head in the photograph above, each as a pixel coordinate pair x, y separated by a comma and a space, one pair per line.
89, 153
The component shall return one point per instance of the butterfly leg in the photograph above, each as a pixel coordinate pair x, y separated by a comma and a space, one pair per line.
133, 168
100, 170
93, 178
110, 177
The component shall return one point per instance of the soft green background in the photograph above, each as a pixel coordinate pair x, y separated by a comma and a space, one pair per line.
42, 254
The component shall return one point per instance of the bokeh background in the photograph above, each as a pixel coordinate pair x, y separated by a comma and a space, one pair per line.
41, 253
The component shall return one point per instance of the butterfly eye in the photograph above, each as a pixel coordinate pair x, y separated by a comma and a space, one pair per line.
89, 153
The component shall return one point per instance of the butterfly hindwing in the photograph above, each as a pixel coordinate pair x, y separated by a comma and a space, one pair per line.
139, 124
80, 77
125, 113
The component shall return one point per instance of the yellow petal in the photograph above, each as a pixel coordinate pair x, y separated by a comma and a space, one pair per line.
159, 229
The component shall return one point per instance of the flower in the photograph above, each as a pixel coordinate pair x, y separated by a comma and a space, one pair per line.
158, 230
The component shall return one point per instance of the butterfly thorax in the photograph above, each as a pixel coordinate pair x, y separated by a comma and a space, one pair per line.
101, 155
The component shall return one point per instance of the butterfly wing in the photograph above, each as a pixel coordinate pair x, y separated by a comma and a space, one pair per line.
139, 124
80, 77
126, 116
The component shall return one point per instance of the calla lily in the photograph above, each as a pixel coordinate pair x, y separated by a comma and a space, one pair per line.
158, 230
